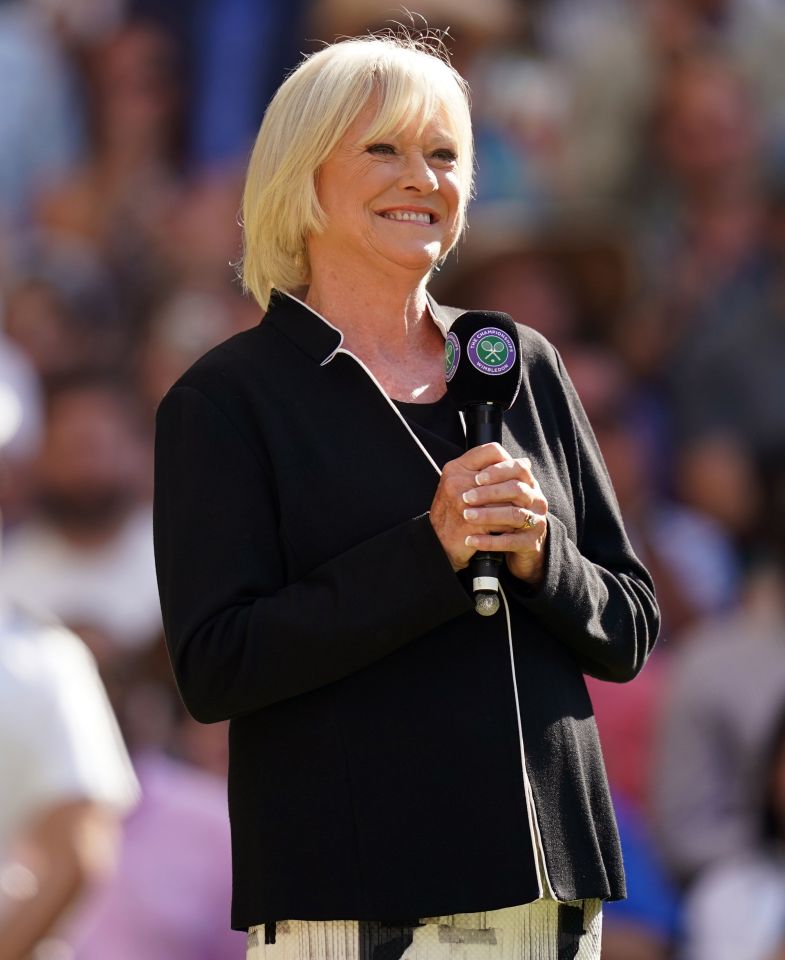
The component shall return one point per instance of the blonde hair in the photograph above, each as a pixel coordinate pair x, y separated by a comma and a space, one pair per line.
304, 122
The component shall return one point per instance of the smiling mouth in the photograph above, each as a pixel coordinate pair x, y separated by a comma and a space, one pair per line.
408, 216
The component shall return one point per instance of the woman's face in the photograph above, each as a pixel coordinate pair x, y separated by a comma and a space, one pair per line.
393, 203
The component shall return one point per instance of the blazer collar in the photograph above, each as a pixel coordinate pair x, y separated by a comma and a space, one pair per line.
317, 337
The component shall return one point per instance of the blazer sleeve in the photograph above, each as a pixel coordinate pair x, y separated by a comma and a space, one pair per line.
239, 635
596, 597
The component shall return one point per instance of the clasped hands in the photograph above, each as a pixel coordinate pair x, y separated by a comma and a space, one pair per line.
489, 501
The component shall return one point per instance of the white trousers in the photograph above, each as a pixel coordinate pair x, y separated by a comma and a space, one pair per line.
543, 930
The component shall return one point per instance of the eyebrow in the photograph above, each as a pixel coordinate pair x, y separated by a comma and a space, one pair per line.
443, 135
439, 137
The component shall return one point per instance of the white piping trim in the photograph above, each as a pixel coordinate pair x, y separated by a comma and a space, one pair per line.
324, 320
531, 812
534, 827
379, 387
392, 405
442, 327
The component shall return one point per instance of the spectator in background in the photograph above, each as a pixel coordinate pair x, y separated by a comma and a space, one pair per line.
736, 909
710, 334
229, 82
601, 47
693, 564
724, 687
168, 898
65, 775
62, 309
613, 53
692, 557
646, 925
510, 272
701, 227
184, 327
233, 82
40, 122
748, 33
717, 475
87, 554
119, 197
21, 409
202, 238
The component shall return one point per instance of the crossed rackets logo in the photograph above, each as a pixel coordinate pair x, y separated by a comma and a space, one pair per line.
492, 352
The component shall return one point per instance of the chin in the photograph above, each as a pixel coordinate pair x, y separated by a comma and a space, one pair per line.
422, 260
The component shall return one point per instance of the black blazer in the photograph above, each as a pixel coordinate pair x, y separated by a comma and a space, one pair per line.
375, 751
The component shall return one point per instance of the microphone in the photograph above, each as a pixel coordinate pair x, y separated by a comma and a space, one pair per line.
482, 367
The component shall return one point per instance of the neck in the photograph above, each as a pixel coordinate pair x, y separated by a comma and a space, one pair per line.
388, 326
384, 319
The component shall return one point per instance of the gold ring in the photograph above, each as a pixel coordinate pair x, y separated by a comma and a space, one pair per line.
528, 521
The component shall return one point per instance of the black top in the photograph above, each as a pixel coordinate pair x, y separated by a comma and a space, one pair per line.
376, 720
437, 426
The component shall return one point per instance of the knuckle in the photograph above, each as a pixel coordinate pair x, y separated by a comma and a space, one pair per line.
455, 483
498, 448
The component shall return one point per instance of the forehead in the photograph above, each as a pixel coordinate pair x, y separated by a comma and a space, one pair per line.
379, 120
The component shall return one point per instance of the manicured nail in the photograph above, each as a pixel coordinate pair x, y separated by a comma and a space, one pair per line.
470, 496
481, 478
469, 514
471, 541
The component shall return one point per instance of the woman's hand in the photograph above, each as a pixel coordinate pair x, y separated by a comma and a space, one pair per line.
486, 500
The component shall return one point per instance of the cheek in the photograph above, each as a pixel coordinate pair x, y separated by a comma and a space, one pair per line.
453, 194
456, 208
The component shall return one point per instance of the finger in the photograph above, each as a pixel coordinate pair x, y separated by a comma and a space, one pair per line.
503, 470
515, 492
501, 518
486, 455
505, 542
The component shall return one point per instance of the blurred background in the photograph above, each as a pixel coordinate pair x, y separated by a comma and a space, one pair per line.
630, 206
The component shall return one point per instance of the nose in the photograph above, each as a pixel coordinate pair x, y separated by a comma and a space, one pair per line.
417, 174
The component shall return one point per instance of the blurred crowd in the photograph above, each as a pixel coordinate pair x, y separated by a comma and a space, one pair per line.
630, 206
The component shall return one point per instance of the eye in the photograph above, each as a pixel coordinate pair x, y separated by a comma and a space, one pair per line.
445, 154
383, 149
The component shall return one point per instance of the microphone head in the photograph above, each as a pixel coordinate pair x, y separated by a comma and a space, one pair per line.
482, 359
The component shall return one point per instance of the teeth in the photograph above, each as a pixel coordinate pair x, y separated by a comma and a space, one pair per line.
407, 215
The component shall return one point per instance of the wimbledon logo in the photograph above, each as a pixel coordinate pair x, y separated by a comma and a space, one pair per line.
491, 351
452, 354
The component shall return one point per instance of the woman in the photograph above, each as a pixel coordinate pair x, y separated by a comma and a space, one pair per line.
393, 756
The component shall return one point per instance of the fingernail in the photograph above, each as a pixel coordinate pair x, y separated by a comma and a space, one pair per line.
469, 514
481, 478
470, 541
470, 496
